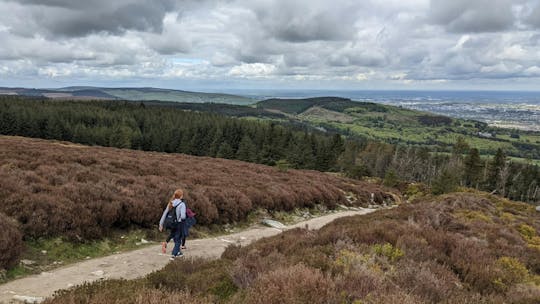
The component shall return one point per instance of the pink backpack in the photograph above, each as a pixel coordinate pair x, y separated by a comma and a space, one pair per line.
190, 213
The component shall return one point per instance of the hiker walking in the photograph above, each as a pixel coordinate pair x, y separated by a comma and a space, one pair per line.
173, 219
190, 221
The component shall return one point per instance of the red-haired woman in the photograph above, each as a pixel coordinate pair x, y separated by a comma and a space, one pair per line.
173, 218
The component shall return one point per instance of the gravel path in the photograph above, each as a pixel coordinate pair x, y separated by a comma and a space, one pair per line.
138, 263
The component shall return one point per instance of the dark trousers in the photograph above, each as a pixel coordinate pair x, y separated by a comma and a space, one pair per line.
178, 236
190, 221
170, 236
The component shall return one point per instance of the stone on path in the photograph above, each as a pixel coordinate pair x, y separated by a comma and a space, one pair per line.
273, 224
27, 262
98, 273
538, 208
28, 299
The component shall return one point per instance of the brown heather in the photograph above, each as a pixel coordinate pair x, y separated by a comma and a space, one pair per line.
11, 243
460, 248
79, 192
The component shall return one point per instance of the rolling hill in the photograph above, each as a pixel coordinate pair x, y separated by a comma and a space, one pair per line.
61, 189
94, 93
397, 125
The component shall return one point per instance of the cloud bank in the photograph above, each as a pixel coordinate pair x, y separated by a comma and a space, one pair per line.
316, 43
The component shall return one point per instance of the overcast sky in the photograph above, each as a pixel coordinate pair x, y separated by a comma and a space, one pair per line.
321, 44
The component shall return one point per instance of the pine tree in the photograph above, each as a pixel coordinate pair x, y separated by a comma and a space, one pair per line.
473, 169
347, 160
390, 178
461, 146
225, 151
120, 137
495, 166
247, 151
446, 182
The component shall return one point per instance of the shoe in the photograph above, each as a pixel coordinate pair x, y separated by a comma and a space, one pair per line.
163, 247
176, 256
183, 247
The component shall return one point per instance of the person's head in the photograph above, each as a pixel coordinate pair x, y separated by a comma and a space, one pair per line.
178, 194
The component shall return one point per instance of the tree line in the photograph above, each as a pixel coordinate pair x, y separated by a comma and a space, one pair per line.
443, 172
166, 129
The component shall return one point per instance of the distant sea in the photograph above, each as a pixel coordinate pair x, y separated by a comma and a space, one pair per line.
509, 109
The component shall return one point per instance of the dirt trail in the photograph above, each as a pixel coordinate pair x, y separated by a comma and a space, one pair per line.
138, 263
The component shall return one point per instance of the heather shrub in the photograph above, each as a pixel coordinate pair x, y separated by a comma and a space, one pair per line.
58, 189
11, 244
474, 264
392, 296
247, 268
429, 280
419, 249
153, 296
426, 252
294, 284
198, 276
358, 284
103, 291
523, 294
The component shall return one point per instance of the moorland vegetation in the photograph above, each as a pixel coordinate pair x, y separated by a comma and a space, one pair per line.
81, 193
182, 128
455, 248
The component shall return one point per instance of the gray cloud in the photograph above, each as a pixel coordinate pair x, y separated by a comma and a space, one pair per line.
79, 18
299, 21
534, 17
295, 41
464, 16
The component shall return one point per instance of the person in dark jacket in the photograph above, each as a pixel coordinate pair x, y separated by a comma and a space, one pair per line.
190, 221
177, 232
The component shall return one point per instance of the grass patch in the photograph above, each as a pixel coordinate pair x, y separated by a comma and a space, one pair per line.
299, 214
472, 215
47, 254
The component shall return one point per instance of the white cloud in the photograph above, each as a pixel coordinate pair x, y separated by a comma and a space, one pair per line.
252, 70
301, 41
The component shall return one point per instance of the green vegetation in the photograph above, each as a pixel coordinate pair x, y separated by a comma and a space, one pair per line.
267, 139
175, 95
45, 254
387, 250
168, 129
137, 94
402, 126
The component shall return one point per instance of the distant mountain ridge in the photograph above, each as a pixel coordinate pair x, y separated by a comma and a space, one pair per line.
127, 93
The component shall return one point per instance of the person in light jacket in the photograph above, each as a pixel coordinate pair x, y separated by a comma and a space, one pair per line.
176, 233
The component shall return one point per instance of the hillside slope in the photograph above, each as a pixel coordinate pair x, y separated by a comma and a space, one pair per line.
139, 263
94, 93
62, 189
403, 126
458, 248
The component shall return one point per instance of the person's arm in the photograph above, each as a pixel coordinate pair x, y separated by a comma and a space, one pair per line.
162, 220
181, 212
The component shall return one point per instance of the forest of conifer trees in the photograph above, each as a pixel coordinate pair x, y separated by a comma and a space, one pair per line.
165, 129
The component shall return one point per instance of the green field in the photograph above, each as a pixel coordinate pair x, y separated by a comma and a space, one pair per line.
403, 126
176, 96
